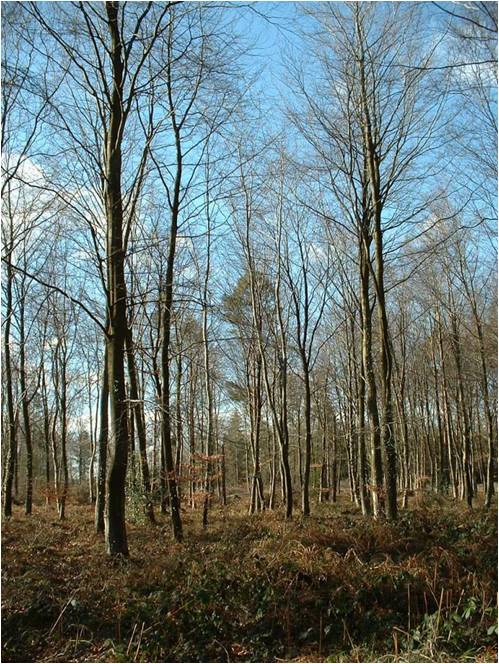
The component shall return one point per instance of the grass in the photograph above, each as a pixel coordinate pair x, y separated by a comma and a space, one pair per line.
336, 587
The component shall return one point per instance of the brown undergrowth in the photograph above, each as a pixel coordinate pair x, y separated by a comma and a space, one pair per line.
336, 587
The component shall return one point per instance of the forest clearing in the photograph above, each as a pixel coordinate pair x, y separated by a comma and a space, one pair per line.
249, 331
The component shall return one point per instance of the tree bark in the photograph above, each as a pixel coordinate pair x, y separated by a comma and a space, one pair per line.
28, 504
12, 448
102, 444
370, 383
167, 320
115, 528
140, 425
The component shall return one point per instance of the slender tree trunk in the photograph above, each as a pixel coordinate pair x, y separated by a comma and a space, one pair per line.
489, 482
140, 425
400, 400
365, 504
223, 478
102, 444
254, 385
308, 435
324, 488
55, 456
11, 422
93, 446
466, 434
167, 321
374, 188
25, 411
131, 435
334, 462
369, 379
443, 469
179, 435
46, 431
64, 430
273, 480
447, 411
192, 433
207, 383
279, 414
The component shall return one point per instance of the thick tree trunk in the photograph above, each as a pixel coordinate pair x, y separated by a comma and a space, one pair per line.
114, 520
115, 528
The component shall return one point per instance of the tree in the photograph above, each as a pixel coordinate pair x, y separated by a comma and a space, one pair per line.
370, 143
307, 283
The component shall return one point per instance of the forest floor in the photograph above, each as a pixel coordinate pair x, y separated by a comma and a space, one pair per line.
335, 588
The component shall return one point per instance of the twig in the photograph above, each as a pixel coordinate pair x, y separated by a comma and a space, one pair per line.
131, 638
140, 641
226, 651
62, 612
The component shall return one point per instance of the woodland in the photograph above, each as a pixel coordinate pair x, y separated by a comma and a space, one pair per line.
249, 331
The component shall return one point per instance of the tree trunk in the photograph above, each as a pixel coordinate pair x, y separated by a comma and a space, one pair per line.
91, 469
369, 379
102, 443
324, 487
207, 385
64, 430
25, 411
178, 414
361, 443
308, 435
140, 424
46, 432
115, 528
12, 448
375, 203
489, 482
466, 434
